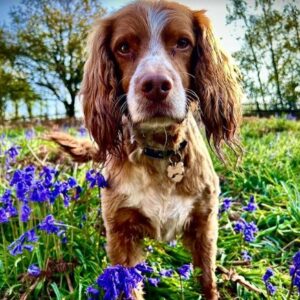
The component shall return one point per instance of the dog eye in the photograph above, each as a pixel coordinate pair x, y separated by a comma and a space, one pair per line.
182, 43
124, 48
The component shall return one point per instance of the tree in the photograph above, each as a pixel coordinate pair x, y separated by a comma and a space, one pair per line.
249, 61
269, 58
48, 41
14, 86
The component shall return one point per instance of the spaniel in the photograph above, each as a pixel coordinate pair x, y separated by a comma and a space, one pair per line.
149, 66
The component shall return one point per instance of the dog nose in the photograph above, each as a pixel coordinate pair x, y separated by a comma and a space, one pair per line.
156, 87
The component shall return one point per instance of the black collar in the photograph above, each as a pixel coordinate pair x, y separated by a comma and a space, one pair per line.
161, 154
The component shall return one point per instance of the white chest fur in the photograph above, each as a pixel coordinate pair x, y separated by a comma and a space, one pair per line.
168, 211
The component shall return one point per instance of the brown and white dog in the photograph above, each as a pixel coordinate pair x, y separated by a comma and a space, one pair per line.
147, 65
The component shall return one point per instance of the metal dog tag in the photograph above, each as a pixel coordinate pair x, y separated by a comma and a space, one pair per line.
175, 169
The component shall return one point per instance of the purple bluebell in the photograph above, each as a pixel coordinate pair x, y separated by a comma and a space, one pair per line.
50, 225
239, 225
117, 280
185, 271
251, 206
34, 270
3, 216
166, 272
269, 273
295, 271
246, 256
144, 268
271, 288
291, 117
11, 154
154, 281
227, 202
48, 175
92, 293
21, 244
296, 260
72, 182
29, 134
149, 249
96, 179
249, 232
172, 243
31, 236
82, 131
248, 229
25, 212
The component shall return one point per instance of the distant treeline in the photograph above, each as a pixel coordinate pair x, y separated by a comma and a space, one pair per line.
42, 54
270, 56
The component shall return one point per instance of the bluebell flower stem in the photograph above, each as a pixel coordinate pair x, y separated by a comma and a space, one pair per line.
4, 251
292, 285
181, 287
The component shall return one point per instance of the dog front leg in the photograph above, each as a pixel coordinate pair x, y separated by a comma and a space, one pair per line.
125, 233
201, 239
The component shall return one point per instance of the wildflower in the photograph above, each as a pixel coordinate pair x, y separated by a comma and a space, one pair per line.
31, 236
185, 271
248, 229
50, 225
166, 273
92, 292
149, 249
72, 182
48, 175
251, 206
29, 134
3, 216
82, 131
117, 280
96, 178
12, 153
291, 117
296, 260
154, 281
172, 243
25, 213
144, 268
21, 244
295, 271
269, 273
271, 289
246, 256
239, 225
225, 205
34, 270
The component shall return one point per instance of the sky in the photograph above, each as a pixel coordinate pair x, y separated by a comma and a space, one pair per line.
216, 10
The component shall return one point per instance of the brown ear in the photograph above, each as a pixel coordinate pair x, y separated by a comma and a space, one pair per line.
216, 83
99, 92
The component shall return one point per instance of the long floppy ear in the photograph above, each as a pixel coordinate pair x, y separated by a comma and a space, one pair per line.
99, 92
217, 85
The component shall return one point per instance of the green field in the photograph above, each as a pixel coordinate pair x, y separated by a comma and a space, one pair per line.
72, 259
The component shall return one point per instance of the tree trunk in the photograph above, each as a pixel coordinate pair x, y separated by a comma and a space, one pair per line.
70, 109
273, 58
262, 92
29, 109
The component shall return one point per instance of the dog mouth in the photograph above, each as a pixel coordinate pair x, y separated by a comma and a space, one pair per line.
159, 113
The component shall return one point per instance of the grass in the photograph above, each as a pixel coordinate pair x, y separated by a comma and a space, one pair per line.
269, 170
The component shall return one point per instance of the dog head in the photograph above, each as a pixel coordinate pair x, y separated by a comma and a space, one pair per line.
149, 60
